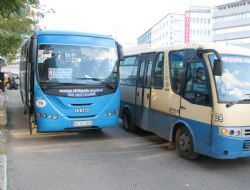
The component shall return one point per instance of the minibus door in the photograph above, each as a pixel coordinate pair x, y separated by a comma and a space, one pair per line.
147, 92
140, 89
143, 90
196, 101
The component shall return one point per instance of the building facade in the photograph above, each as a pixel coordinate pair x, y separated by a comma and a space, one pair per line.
232, 23
194, 26
145, 38
198, 25
168, 31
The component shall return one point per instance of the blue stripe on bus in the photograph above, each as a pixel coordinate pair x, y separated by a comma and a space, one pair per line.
206, 137
72, 33
75, 40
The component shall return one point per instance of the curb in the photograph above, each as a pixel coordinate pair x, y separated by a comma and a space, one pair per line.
3, 110
3, 140
3, 172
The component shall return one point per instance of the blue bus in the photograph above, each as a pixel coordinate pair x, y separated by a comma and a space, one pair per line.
69, 81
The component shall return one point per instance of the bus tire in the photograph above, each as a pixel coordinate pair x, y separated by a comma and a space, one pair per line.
127, 122
184, 144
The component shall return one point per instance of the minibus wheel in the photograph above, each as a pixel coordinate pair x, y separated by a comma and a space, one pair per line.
184, 144
127, 122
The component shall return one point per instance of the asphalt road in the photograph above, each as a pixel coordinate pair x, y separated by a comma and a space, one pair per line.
109, 160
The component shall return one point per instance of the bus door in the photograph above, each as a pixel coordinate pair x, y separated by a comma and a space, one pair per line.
143, 90
196, 100
29, 89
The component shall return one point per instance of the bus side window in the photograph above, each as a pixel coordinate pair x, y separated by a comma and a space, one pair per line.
128, 70
140, 80
148, 76
176, 64
197, 84
159, 70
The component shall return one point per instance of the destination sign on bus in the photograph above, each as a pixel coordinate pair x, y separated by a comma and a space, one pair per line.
236, 59
81, 92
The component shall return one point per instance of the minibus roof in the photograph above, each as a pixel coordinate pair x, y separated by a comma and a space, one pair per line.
221, 48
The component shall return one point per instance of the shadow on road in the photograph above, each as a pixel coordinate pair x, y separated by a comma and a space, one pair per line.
113, 137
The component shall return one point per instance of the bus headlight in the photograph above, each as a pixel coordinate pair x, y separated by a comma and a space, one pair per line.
233, 132
111, 113
55, 117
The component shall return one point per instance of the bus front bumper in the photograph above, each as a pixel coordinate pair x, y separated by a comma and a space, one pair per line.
75, 124
225, 147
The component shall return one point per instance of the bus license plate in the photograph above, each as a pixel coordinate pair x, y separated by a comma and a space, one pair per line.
82, 123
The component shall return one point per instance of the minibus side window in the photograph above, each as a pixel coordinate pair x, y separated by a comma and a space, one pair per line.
197, 84
141, 73
159, 70
128, 71
176, 64
148, 76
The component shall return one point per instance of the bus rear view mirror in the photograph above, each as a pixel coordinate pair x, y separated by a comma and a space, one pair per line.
120, 51
217, 68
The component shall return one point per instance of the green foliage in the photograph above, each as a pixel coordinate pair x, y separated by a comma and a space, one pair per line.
18, 18
16, 7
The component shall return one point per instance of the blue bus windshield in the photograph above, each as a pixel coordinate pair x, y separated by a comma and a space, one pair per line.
234, 84
76, 64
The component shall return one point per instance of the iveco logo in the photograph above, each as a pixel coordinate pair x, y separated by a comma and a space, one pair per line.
81, 110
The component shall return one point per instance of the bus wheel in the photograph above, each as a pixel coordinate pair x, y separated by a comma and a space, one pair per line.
127, 123
184, 144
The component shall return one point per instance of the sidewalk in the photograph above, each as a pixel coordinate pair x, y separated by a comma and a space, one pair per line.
3, 110
3, 140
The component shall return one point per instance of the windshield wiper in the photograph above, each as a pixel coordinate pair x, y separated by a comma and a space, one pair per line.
237, 102
99, 80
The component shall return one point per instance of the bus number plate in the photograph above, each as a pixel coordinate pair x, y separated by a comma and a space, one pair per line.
82, 123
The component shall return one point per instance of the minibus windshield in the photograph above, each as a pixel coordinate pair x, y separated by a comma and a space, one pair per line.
234, 84
72, 64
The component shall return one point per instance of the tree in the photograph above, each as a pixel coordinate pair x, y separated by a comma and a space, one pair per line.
11, 7
18, 18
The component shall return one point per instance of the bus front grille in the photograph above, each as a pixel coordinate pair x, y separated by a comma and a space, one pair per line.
75, 117
246, 132
246, 145
86, 104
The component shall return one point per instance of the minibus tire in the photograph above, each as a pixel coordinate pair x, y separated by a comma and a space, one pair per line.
184, 144
127, 122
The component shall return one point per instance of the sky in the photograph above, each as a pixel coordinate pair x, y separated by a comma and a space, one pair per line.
125, 20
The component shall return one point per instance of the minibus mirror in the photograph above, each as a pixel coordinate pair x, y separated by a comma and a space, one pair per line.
217, 68
120, 51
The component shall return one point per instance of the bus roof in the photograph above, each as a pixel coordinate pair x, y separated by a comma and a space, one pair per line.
225, 49
75, 33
